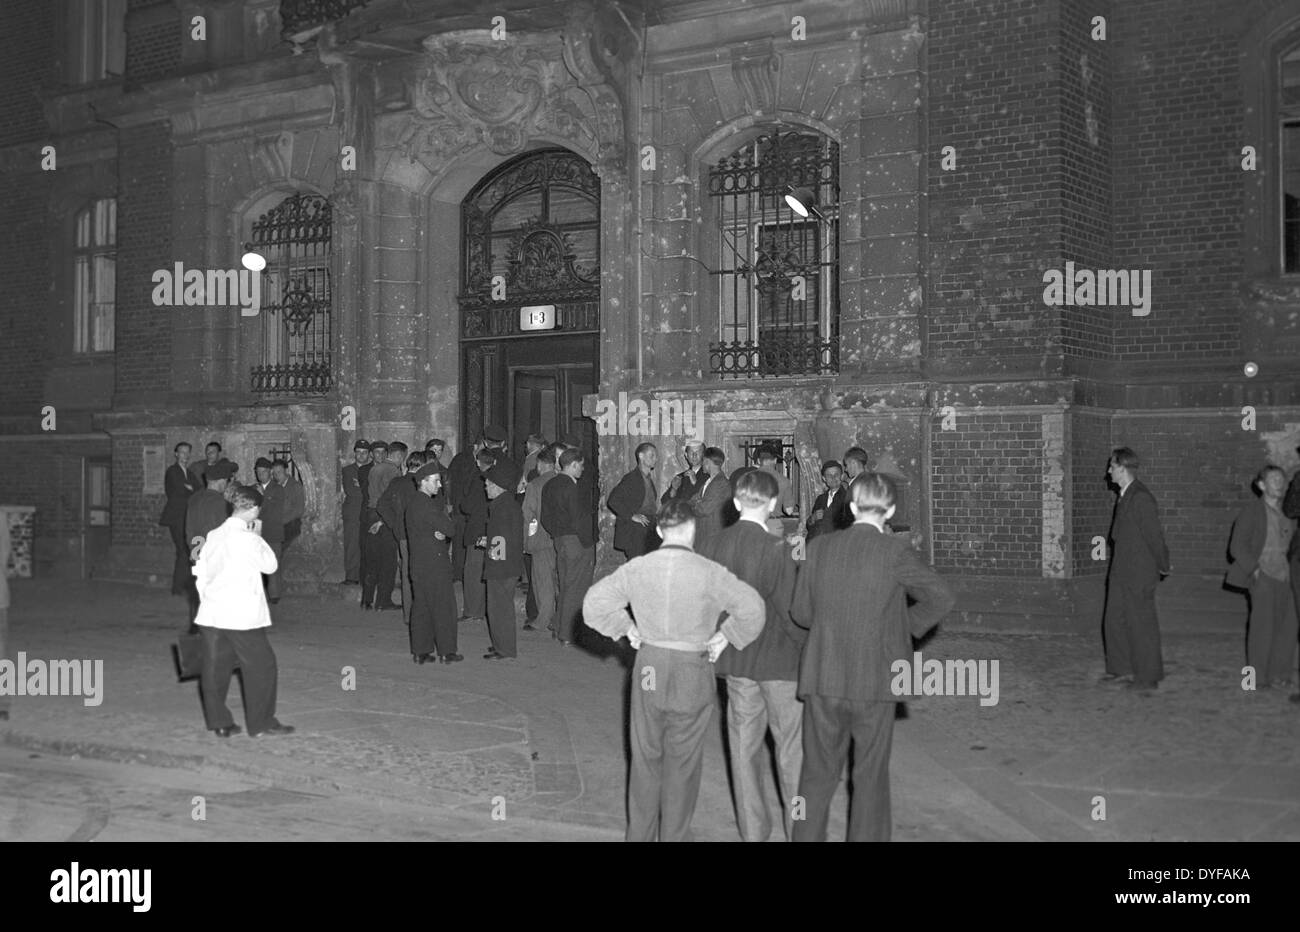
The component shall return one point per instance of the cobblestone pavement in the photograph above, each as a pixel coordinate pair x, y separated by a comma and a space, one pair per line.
546, 734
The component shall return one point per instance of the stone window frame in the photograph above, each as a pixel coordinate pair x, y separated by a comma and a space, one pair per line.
81, 318
723, 142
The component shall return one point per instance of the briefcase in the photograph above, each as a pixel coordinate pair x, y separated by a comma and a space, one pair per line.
188, 653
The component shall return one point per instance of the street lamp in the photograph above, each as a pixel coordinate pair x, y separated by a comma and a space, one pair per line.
803, 201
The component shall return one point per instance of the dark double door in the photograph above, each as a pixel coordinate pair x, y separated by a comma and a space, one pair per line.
532, 385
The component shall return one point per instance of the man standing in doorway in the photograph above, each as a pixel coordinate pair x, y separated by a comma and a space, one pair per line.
1138, 561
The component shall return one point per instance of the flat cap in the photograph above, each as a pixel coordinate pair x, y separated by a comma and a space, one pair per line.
495, 433
503, 473
263, 463
428, 469
361, 445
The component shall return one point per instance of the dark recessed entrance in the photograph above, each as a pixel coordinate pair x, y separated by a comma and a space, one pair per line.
530, 299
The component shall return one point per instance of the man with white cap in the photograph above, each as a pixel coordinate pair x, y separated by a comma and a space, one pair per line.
687, 482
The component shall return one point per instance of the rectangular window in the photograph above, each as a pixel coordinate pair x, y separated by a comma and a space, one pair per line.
97, 46
94, 278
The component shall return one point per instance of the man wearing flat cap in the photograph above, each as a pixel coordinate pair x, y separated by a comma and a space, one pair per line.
356, 481
429, 530
504, 556
272, 515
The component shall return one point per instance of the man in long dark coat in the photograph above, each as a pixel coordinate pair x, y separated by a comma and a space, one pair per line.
1138, 559
428, 535
504, 557
179, 486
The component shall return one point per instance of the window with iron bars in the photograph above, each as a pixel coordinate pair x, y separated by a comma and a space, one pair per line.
779, 275
298, 15
295, 238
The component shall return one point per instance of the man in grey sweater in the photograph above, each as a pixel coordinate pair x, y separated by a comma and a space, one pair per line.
677, 596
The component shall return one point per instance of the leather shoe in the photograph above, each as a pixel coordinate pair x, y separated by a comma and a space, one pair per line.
451, 658
366, 606
227, 731
528, 627
276, 729
495, 655
422, 659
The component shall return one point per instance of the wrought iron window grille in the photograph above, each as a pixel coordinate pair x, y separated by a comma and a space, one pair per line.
778, 287
295, 238
300, 18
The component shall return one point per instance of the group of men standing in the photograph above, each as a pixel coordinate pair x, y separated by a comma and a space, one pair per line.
805, 647
197, 504
484, 521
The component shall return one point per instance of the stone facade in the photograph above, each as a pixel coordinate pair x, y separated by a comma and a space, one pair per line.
979, 144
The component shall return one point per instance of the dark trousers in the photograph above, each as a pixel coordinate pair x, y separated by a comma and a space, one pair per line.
1271, 635
364, 552
642, 543
380, 571
674, 694
258, 676
181, 574
530, 601
351, 543
472, 586
433, 609
1132, 633
458, 546
404, 578
575, 565
501, 616
828, 725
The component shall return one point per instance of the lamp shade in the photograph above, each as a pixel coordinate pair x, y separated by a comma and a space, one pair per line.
803, 201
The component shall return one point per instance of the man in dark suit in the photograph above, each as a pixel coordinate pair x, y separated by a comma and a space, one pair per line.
433, 597
474, 508
179, 485
855, 464
356, 481
711, 497
211, 457
635, 502
566, 516
272, 515
829, 503
687, 482
392, 511
461, 476
852, 595
504, 557
762, 679
1138, 560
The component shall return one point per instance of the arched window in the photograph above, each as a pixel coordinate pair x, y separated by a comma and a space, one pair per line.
95, 277
295, 237
1288, 112
778, 289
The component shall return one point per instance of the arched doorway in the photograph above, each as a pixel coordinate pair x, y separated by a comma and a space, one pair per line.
530, 299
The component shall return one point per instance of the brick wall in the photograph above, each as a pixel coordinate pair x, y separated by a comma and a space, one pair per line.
1178, 179
1086, 208
47, 473
27, 37
995, 221
986, 491
153, 42
144, 244
135, 514
1090, 498
1199, 468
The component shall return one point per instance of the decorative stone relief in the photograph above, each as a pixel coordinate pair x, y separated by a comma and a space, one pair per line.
474, 90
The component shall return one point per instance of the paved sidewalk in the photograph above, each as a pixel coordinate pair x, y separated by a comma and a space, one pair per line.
545, 736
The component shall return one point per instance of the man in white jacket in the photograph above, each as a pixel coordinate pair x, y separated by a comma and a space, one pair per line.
233, 618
